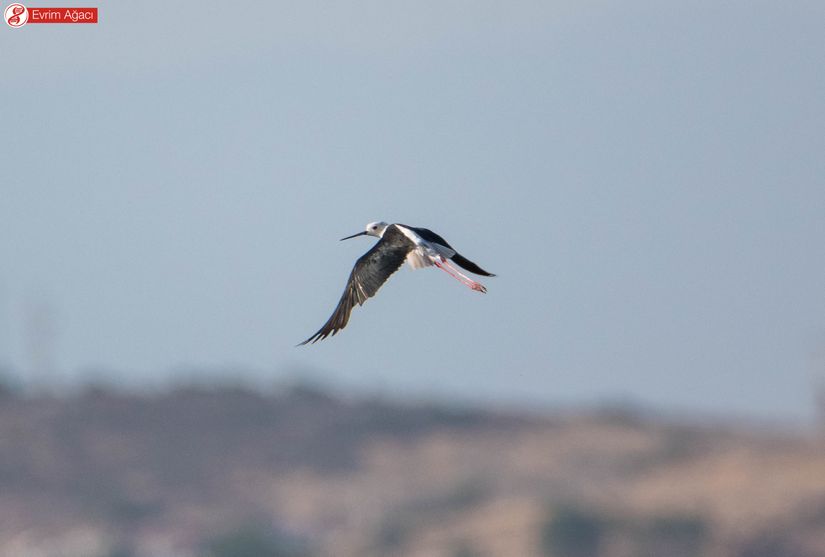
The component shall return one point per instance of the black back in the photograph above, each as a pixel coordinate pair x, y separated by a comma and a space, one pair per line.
429, 235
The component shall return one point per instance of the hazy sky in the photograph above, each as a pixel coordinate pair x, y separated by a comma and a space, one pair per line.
647, 179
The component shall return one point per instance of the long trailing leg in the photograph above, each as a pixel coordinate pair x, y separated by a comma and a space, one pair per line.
442, 264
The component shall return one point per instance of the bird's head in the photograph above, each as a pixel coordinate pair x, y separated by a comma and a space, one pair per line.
372, 229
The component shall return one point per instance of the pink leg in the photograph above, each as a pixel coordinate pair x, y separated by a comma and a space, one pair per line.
453, 272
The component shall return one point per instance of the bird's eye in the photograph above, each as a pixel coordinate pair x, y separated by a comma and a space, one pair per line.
375, 228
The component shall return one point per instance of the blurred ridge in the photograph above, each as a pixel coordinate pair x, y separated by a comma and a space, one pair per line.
226, 471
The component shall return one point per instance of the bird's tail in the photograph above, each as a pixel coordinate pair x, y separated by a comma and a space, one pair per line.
465, 263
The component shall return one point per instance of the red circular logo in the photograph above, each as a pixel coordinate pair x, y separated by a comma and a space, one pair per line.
16, 15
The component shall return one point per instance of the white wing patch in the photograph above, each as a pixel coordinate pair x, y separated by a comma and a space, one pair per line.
418, 260
414, 238
427, 254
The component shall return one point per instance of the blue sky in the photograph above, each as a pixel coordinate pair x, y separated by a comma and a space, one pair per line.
647, 179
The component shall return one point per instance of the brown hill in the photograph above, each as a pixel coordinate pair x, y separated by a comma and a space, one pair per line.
232, 472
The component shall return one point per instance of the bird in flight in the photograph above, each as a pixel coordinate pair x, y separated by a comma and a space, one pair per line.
398, 242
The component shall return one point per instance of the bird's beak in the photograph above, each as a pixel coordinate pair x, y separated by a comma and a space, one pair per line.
364, 233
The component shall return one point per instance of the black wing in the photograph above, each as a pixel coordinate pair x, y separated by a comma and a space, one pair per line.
430, 236
469, 265
370, 272
462, 261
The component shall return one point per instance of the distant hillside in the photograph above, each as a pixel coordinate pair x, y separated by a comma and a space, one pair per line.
228, 472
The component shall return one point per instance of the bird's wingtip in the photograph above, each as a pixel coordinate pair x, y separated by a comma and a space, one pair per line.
307, 341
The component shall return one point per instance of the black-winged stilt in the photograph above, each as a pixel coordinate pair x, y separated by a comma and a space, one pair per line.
419, 246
